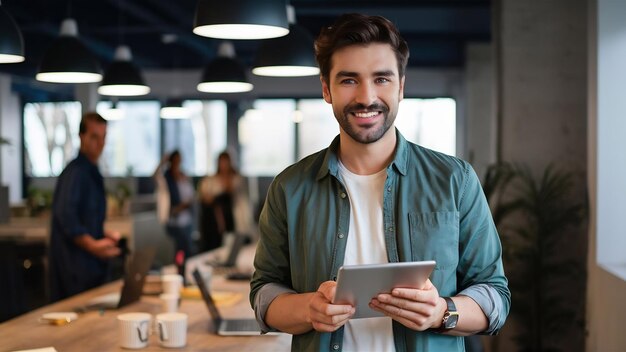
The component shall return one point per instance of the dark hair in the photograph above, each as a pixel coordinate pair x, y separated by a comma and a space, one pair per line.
173, 155
358, 29
90, 116
225, 154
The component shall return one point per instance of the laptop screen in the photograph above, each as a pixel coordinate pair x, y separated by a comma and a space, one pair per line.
215, 314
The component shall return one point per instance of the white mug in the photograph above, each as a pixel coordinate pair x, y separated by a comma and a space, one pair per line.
134, 329
170, 302
172, 329
172, 283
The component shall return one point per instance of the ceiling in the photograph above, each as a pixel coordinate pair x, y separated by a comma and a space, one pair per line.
160, 37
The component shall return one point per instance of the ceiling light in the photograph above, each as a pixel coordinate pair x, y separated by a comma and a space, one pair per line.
11, 40
174, 109
241, 19
68, 60
225, 74
122, 77
288, 56
113, 113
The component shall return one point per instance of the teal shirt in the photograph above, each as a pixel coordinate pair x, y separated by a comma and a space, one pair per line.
433, 209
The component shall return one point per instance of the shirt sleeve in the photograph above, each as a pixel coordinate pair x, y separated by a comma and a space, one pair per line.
272, 275
480, 270
263, 298
491, 304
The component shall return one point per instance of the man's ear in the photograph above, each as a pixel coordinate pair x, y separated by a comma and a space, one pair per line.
401, 93
326, 91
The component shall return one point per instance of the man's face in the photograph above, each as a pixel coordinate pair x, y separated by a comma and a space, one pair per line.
365, 90
92, 140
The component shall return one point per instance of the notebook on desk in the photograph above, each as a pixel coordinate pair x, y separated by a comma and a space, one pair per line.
139, 263
221, 326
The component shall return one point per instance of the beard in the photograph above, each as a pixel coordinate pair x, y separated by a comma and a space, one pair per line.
365, 134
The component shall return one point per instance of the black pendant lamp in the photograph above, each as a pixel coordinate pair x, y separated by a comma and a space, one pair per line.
241, 19
174, 109
288, 56
68, 60
11, 40
225, 74
122, 77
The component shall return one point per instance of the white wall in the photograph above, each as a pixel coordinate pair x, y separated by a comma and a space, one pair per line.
607, 171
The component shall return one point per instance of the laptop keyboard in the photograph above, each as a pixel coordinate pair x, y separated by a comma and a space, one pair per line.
240, 325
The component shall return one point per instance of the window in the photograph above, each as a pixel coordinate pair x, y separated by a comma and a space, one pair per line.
50, 137
430, 123
132, 143
200, 138
267, 138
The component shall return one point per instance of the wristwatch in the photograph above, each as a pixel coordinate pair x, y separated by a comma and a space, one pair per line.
450, 316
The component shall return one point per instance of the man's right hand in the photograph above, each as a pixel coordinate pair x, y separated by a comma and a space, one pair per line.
325, 316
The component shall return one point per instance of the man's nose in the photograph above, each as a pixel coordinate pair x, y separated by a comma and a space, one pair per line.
366, 94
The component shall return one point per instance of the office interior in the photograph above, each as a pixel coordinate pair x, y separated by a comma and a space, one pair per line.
535, 84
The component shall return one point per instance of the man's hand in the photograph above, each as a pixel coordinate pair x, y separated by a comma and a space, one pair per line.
103, 248
417, 309
322, 314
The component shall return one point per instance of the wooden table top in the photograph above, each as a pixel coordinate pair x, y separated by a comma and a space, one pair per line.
98, 331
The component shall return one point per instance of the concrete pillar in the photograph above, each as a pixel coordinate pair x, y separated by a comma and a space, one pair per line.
542, 96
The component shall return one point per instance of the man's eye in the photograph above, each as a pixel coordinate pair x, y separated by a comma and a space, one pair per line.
348, 81
382, 80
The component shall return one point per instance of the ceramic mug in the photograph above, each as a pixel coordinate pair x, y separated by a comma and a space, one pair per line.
134, 329
172, 329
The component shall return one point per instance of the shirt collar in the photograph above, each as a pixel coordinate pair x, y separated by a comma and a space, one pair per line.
331, 159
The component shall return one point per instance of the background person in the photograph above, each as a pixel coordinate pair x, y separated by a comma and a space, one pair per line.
80, 247
225, 205
180, 191
373, 197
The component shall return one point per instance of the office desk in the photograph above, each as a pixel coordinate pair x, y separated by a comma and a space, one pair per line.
96, 331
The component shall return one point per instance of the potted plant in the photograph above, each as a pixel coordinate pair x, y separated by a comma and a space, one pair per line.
536, 217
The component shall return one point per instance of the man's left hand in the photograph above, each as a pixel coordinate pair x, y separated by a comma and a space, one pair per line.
417, 309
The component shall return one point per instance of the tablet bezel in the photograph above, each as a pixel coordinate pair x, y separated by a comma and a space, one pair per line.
358, 284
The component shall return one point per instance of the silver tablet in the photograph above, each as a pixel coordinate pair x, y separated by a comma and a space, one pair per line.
358, 284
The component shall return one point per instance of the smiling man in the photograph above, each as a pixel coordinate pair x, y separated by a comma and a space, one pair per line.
372, 197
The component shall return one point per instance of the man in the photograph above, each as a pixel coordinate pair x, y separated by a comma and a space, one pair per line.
79, 245
373, 197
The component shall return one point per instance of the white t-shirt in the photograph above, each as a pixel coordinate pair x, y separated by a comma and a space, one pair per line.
366, 245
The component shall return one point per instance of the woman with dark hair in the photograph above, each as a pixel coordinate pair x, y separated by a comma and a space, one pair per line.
225, 207
179, 223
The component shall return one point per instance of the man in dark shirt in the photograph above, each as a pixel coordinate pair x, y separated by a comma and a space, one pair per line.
79, 245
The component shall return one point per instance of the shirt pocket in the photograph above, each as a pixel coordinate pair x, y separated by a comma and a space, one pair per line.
435, 236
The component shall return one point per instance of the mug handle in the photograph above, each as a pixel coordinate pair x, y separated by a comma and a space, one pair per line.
142, 339
162, 331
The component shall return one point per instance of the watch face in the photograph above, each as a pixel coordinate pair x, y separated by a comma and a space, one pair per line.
452, 319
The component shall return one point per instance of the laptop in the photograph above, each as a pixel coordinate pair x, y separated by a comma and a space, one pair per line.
135, 274
234, 243
221, 326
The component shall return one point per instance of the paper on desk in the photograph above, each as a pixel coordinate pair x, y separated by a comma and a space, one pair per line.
221, 298
45, 349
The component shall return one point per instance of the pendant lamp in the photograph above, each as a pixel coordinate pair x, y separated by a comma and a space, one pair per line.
68, 60
225, 74
113, 113
122, 77
11, 40
174, 109
288, 56
241, 19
